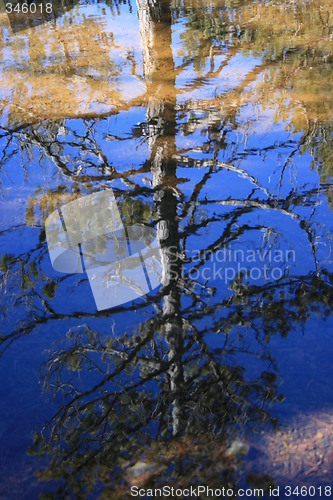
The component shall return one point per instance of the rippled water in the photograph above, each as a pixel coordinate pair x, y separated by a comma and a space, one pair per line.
212, 123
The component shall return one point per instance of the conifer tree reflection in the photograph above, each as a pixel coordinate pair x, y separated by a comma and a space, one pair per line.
137, 403
163, 389
155, 21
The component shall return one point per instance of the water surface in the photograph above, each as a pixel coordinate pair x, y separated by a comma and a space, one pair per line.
212, 123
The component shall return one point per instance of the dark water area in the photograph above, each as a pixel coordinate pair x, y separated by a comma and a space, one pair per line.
211, 122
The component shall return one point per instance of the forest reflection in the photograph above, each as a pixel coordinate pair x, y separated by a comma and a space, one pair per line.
159, 401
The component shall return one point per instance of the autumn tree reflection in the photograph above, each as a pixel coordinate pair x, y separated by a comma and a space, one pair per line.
170, 399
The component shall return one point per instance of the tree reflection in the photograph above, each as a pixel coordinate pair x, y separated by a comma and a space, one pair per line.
159, 404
